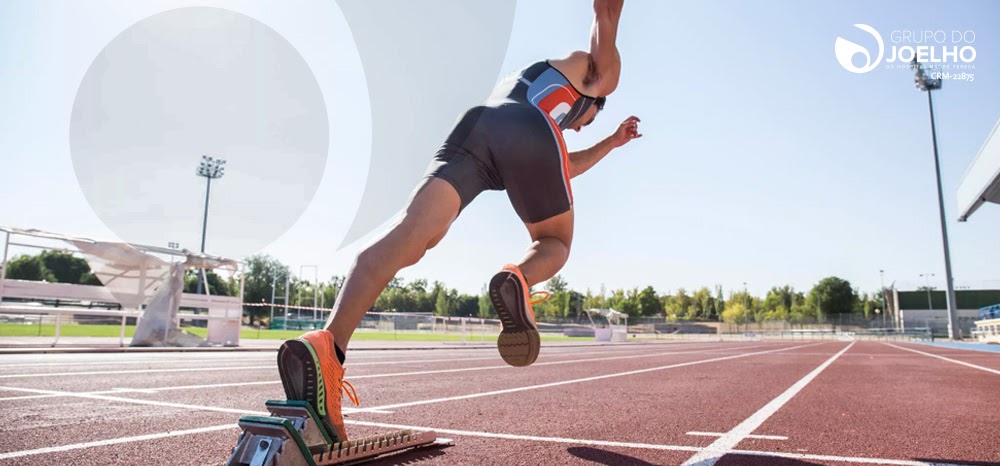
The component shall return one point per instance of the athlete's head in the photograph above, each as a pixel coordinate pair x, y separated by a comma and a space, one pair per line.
590, 115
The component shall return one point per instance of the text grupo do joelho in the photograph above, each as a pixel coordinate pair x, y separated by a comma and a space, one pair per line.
928, 53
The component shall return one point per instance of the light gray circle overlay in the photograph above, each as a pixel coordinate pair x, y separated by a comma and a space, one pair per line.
190, 82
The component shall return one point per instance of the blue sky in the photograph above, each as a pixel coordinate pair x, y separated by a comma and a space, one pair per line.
763, 160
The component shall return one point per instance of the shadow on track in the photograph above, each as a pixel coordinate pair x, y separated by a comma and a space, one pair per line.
606, 457
744, 460
753, 460
408, 457
959, 462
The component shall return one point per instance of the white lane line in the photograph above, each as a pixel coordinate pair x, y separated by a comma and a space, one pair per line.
649, 446
533, 438
199, 369
548, 363
132, 390
348, 410
994, 371
140, 401
199, 387
273, 365
137, 390
720, 434
395, 374
119, 363
137, 371
467, 433
574, 381
167, 404
101, 443
353, 355
493, 357
846, 459
27, 397
717, 449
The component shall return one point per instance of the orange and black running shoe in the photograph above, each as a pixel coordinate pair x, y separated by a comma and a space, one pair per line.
519, 342
310, 371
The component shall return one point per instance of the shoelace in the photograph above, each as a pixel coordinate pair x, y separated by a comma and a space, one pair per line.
352, 395
544, 298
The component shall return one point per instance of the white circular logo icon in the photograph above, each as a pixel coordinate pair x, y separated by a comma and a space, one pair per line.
846, 50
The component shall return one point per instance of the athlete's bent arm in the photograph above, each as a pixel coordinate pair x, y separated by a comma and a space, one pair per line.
605, 65
581, 161
596, 72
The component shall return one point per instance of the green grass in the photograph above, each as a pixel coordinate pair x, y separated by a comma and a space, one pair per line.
66, 330
85, 330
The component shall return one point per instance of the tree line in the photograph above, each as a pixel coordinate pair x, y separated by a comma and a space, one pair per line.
64, 267
828, 299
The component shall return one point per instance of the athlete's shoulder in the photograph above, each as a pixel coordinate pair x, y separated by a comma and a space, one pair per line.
578, 68
575, 60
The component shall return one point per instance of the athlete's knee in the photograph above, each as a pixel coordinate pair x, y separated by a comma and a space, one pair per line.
418, 252
371, 256
417, 240
559, 247
414, 252
394, 249
436, 240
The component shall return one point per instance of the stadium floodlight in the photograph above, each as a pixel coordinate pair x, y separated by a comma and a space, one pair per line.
928, 84
210, 168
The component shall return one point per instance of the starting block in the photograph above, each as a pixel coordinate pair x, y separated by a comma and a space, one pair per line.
293, 436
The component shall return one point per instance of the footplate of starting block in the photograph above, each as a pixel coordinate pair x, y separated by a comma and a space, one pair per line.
294, 436
361, 450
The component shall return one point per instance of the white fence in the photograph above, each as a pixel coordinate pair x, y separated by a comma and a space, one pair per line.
63, 301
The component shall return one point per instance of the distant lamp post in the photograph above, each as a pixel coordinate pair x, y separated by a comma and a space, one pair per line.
926, 83
881, 278
927, 286
210, 168
746, 312
173, 245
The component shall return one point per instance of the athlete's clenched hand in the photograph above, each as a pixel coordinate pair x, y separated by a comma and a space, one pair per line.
627, 131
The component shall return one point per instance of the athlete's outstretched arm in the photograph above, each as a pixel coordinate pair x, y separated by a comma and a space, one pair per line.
581, 161
604, 65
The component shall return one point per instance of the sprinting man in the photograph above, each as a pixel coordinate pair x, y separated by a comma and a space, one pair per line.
512, 142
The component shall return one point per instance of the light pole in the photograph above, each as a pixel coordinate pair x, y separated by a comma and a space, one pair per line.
209, 168
315, 286
925, 83
927, 286
746, 311
885, 308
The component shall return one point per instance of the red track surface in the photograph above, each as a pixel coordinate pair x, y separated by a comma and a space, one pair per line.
664, 403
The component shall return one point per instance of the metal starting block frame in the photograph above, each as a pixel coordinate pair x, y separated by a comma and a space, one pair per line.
293, 436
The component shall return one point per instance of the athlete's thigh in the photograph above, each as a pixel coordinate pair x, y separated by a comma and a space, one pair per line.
531, 159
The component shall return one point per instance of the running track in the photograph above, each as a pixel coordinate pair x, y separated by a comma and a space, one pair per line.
704, 403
